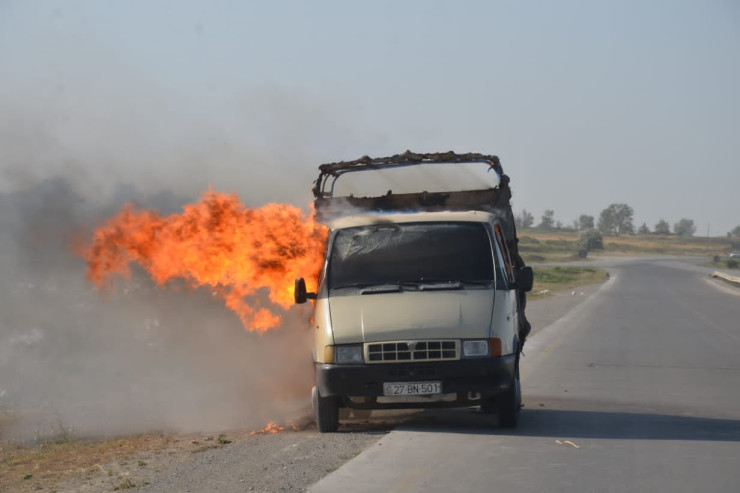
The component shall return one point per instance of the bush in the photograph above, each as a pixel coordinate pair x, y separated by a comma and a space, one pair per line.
684, 227
732, 263
590, 239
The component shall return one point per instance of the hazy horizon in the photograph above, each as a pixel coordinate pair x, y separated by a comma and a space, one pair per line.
586, 103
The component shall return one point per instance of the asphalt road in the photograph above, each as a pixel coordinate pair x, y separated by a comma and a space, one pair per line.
636, 389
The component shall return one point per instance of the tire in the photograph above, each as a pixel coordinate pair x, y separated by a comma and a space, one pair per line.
509, 405
327, 412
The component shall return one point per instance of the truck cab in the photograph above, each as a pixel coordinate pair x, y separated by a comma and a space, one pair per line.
420, 301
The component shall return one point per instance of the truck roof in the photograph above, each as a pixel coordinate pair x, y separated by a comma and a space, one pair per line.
410, 217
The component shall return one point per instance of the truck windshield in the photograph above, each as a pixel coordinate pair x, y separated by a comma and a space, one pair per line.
411, 253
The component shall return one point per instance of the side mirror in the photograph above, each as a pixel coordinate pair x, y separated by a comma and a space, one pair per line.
300, 294
525, 279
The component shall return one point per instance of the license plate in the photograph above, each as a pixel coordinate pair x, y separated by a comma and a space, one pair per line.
412, 388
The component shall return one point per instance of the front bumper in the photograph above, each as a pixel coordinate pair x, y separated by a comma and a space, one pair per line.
473, 380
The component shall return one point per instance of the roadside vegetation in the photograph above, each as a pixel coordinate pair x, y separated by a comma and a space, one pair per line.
540, 246
40, 466
551, 279
613, 233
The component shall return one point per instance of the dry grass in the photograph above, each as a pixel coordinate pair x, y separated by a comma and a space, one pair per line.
551, 246
42, 466
668, 245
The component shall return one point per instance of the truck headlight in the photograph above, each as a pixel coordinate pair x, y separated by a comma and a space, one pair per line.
474, 349
348, 355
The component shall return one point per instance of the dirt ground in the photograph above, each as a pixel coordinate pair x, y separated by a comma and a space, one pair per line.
291, 459
287, 461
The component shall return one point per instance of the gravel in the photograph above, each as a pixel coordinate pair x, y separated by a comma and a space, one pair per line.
287, 461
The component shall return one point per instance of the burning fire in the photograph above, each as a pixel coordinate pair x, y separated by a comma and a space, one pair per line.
216, 242
271, 428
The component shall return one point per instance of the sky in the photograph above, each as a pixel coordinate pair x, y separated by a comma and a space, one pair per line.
587, 103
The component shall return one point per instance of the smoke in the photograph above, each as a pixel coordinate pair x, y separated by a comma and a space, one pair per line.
142, 357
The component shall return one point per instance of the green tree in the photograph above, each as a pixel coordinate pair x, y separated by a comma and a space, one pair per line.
525, 219
662, 227
616, 219
585, 221
684, 227
590, 239
735, 231
548, 220
644, 230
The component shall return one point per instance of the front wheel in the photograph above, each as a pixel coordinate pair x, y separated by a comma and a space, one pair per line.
327, 412
509, 405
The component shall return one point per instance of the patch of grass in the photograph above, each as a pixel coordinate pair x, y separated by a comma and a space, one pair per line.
558, 244
125, 485
622, 247
564, 278
47, 463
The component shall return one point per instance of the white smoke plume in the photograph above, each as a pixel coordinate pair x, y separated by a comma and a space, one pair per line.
141, 357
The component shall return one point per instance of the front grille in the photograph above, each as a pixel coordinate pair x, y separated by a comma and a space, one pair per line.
403, 351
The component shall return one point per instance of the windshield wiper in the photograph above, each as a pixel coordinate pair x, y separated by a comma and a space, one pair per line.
382, 288
428, 285
391, 287
420, 285
355, 285
439, 285
377, 287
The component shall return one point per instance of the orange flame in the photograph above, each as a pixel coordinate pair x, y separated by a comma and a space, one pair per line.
271, 428
217, 242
